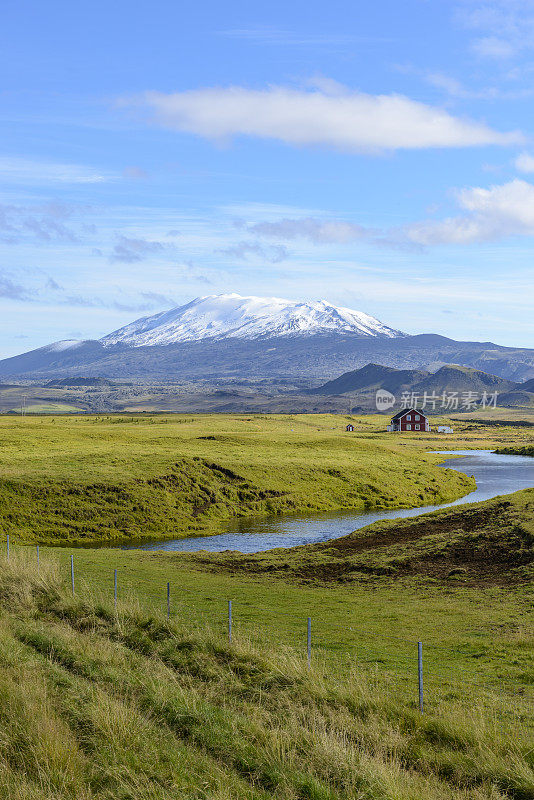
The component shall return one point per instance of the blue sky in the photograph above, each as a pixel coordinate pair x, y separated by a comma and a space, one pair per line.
376, 155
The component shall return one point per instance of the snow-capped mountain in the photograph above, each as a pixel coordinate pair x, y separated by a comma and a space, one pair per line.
228, 337
232, 316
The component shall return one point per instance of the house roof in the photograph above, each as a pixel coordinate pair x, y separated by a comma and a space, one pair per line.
404, 411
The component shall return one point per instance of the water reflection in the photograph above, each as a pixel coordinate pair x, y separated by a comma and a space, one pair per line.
495, 474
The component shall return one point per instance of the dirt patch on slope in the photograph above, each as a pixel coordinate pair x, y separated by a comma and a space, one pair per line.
490, 543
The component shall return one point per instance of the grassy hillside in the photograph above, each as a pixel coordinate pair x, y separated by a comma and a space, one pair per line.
101, 478
103, 704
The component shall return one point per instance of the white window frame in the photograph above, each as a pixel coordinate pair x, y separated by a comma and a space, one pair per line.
409, 418
416, 418
408, 427
417, 427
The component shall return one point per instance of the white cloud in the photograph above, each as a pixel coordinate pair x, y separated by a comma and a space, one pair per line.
319, 231
352, 121
22, 170
524, 162
488, 214
493, 213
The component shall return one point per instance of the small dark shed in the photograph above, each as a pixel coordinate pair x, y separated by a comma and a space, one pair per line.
349, 428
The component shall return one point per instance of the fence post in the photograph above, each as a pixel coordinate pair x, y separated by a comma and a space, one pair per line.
7, 541
168, 600
37, 556
115, 589
309, 642
72, 573
420, 673
230, 621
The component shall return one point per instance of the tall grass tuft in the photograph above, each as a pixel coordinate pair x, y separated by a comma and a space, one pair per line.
23, 585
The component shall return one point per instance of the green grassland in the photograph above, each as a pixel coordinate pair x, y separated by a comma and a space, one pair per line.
51, 408
100, 478
97, 702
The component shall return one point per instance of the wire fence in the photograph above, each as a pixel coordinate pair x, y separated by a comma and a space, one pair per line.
423, 673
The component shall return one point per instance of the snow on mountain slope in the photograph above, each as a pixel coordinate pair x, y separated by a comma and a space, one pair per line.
232, 316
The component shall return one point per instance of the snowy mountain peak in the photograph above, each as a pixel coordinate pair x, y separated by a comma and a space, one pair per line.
232, 316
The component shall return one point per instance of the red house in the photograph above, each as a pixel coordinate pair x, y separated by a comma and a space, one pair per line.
409, 419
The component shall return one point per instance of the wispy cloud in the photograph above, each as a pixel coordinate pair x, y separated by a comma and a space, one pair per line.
319, 231
244, 250
150, 303
476, 87
503, 28
524, 162
42, 222
158, 299
37, 288
351, 121
135, 173
30, 172
280, 37
130, 250
10, 290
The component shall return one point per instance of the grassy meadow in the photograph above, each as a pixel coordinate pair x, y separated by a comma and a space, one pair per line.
98, 702
93, 478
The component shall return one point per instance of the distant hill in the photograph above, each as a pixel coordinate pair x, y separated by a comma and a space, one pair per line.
373, 376
528, 386
456, 378
451, 377
517, 399
362, 384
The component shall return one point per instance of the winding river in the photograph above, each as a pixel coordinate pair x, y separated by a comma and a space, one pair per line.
495, 474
